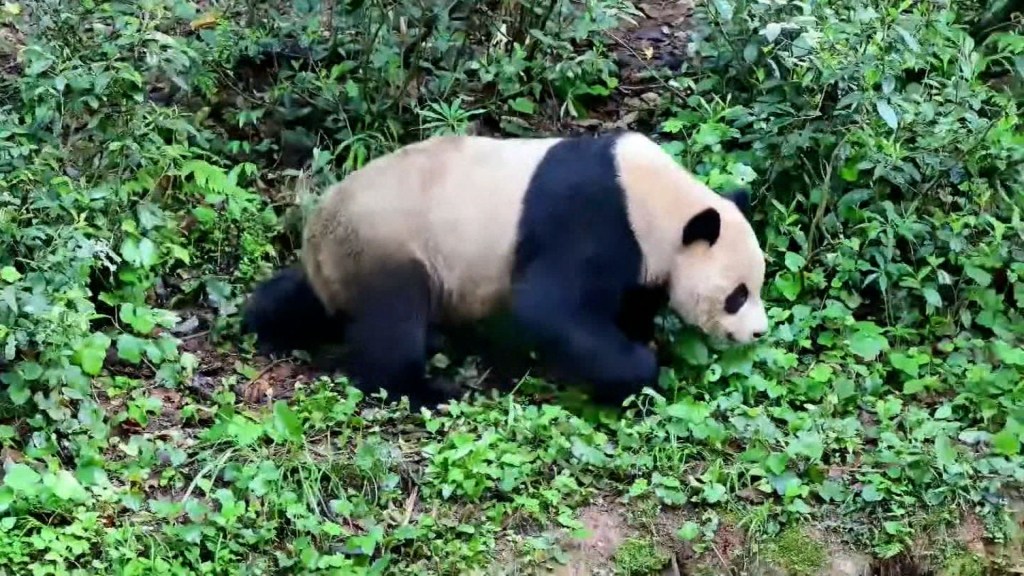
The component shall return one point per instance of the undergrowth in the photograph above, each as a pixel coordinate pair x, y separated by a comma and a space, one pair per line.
157, 159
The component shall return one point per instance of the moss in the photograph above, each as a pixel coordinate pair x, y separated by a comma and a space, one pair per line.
638, 557
797, 553
963, 564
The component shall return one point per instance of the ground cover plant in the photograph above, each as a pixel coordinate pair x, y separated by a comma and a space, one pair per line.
157, 158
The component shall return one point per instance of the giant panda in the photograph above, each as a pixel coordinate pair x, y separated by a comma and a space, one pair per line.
582, 239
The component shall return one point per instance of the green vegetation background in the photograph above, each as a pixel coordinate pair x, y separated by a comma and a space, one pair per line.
156, 158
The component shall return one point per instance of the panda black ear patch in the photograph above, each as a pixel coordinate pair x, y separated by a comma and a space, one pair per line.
741, 198
706, 226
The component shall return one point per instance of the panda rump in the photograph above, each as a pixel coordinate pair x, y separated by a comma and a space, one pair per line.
578, 237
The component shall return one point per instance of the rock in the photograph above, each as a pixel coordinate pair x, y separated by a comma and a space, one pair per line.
187, 326
849, 564
672, 569
594, 554
651, 35
651, 98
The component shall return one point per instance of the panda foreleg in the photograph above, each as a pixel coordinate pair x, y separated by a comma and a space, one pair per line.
586, 343
388, 336
637, 312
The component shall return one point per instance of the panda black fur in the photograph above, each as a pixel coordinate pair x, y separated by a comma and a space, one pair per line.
583, 239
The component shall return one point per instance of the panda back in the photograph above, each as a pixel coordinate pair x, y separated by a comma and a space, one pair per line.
452, 203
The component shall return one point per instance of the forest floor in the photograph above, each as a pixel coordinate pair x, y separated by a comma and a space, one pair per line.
619, 537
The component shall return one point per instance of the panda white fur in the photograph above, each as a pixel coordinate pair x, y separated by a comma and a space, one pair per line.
583, 239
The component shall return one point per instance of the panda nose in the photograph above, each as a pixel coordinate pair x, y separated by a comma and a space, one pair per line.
758, 334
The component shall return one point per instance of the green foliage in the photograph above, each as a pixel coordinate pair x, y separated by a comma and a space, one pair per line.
890, 190
152, 162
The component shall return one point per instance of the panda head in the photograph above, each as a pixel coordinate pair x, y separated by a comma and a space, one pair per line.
717, 272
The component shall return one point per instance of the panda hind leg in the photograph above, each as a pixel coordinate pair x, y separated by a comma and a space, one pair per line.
390, 334
586, 343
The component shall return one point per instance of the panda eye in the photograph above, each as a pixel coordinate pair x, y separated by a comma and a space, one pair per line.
736, 299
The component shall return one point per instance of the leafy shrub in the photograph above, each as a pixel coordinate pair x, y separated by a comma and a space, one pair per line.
890, 187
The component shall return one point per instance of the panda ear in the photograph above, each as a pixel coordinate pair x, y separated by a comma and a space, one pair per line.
741, 198
706, 225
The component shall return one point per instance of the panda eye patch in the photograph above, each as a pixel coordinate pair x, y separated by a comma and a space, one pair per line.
736, 299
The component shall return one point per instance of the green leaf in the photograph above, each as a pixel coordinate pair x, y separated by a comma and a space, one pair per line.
803, 46
688, 531
868, 341
887, 113
944, 450
6, 499
910, 365
789, 285
65, 486
832, 491
888, 408
92, 352
524, 105
130, 251
9, 274
714, 492
581, 451
639, 486
142, 319
1006, 443
130, 348
794, 261
786, 485
844, 388
243, 430
913, 386
908, 38
691, 348
776, 462
204, 214
709, 134
22, 478
772, 31
809, 444
850, 170
39, 65
750, 52
980, 276
870, 493
91, 360
888, 83
689, 411
19, 392
30, 370
1009, 354
286, 423
367, 543
932, 297
821, 373
148, 253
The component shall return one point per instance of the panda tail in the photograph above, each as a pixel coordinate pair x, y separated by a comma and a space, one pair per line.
285, 314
